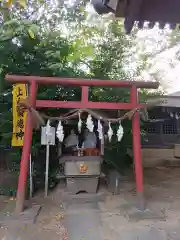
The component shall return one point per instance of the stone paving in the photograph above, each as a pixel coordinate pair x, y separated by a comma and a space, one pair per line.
83, 221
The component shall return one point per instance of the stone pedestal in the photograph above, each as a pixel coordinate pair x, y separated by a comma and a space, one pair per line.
82, 184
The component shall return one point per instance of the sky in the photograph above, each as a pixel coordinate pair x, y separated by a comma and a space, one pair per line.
170, 75
165, 65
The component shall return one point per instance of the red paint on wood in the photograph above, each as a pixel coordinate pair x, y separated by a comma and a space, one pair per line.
85, 94
91, 105
137, 142
81, 82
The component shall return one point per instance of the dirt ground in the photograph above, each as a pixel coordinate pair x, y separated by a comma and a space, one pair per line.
162, 192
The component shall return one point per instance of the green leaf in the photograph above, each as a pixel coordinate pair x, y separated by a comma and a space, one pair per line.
33, 30
10, 22
23, 3
31, 33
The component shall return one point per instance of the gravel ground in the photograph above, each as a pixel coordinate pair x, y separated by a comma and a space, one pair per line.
162, 191
49, 225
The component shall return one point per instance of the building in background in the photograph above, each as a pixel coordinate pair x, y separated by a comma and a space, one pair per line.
161, 144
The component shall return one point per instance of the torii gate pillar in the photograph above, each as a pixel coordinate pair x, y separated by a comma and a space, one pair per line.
137, 151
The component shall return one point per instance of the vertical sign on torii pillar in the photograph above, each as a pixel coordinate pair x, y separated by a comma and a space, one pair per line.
26, 152
19, 117
34, 81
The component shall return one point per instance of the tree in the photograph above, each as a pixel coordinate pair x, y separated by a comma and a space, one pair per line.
158, 53
83, 49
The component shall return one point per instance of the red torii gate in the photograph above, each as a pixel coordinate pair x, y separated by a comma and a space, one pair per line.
34, 81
